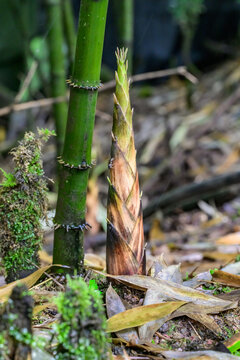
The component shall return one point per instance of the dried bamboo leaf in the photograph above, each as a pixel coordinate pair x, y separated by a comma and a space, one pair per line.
171, 290
140, 315
115, 306
29, 281
198, 355
207, 321
225, 278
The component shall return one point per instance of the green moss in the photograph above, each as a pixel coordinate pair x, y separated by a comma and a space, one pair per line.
81, 331
15, 325
23, 203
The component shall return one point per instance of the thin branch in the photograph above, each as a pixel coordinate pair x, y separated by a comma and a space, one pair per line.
192, 192
31, 104
26, 81
181, 70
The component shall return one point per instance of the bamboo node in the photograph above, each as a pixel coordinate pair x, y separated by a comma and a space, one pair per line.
83, 166
87, 85
67, 227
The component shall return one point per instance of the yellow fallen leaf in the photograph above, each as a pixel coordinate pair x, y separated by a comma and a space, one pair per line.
215, 255
94, 261
156, 232
38, 308
231, 159
141, 315
45, 257
230, 239
29, 281
225, 278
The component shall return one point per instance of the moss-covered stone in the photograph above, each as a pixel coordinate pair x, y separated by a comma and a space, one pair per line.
23, 203
80, 335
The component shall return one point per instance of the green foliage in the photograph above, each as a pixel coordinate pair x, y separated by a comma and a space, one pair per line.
238, 256
15, 324
3, 346
218, 288
81, 331
9, 179
212, 271
186, 12
23, 203
145, 91
235, 348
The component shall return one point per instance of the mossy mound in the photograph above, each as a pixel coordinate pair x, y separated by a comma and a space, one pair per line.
23, 203
80, 335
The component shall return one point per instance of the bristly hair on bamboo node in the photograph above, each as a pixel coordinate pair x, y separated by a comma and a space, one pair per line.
83, 166
68, 227
86, 85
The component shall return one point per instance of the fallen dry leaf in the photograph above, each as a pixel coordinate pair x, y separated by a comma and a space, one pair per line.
29, 281
170, 290
207, 321
215, 255
38, 308
140, 315
225, 278
158, 290
114, 305
45, 257
198, 355
94, 262
230, 239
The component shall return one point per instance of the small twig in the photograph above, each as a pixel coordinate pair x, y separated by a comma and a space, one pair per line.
195, 330
87, 275
26, 81
181, 70
49, 276
163, 336
43, 282
31, 104
44, 103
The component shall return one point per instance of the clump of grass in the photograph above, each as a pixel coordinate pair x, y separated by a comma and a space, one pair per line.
23, 203
80, 334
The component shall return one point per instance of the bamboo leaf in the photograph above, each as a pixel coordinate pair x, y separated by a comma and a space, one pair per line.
226, 278
29, 281
115, 306
198, 355
141, 315
38, 308
170, 290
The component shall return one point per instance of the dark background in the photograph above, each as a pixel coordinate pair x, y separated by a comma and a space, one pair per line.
157, 37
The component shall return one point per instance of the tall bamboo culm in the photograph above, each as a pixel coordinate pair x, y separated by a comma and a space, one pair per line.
76, 158
58, 75
124, 14
125, 236
69, 30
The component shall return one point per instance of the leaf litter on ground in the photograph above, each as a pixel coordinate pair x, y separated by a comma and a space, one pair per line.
167, 298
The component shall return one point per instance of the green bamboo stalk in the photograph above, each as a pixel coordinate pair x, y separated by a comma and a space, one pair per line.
124, 13
56, 57
76, 158
69, 30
